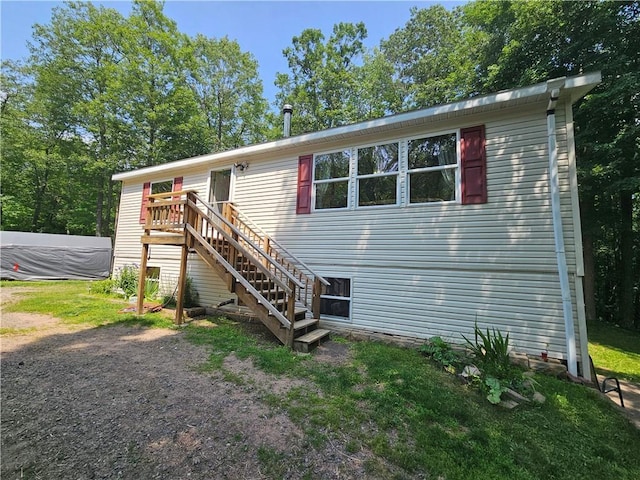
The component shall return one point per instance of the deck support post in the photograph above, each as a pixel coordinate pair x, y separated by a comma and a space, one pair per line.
142, 277
182, 283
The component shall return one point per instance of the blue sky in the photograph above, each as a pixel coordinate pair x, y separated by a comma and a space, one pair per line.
263, 28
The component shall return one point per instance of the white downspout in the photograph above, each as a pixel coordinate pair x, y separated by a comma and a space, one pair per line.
554, 187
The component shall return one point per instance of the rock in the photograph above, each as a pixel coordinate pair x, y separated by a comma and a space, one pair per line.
549, 368
508, 404
515, 396
539, 398
470, 371
519, 359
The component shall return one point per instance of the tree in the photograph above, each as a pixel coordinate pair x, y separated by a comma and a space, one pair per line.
228, 91
433, 57
323, 83
75, 62
532, 41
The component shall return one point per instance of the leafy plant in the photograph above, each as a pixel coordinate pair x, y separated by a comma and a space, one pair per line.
496, 389
440, 352
127, 279
191, 296
151, 289
491, 350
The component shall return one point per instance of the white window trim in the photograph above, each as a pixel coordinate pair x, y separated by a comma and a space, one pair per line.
161, 181
232, 185
403, 186
335, 297
348, 179
456, 166
358, 177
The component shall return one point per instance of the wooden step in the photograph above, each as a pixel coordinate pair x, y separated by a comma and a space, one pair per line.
306, 323
307, 342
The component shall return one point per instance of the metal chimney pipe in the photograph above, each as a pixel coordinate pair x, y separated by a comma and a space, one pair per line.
287, 111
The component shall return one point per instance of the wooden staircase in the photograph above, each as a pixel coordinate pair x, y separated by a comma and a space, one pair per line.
280, 289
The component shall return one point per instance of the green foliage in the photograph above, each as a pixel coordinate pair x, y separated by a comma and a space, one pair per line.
496, 389
104, 287
441, 352
191, 295
411, 418
615, 351
491, 351
74, 303
126, 279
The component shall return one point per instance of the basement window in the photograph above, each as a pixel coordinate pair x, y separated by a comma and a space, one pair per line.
336, 301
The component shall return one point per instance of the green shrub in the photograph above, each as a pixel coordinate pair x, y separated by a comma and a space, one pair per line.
127, 279
104, 287
441, 352
191, 296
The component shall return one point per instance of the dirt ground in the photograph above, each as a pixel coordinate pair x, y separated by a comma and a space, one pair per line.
127, 402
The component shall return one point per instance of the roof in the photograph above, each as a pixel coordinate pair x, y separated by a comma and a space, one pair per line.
24, 239
571, 89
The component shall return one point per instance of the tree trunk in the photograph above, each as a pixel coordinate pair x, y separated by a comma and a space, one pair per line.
99, 202
589, 278
626, 282
586, 207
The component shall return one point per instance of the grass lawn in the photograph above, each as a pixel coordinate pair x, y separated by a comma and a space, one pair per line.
615, 351
416, 419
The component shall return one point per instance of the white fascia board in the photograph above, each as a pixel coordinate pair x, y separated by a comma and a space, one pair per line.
582, 84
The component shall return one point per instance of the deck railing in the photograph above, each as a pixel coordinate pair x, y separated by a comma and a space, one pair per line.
239, 244
312, 283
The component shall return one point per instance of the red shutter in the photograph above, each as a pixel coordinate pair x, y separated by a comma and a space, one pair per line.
305, 182
146, 189
474, 165
177, 184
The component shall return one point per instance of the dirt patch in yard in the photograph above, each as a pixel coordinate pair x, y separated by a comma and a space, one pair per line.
131, 402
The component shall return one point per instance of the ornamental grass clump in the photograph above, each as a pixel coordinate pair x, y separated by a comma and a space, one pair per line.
491, 351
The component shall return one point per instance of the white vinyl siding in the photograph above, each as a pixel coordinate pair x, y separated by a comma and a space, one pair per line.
432, 269
417, 269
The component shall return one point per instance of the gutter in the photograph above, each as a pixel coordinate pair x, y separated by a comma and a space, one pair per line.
554, 87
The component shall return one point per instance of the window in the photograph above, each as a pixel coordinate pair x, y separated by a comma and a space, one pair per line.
336, 301
378, 175
161, 187
432, 169
331, 179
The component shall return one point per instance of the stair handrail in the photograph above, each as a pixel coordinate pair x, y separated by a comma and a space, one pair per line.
284, 271
256, 228
239, 278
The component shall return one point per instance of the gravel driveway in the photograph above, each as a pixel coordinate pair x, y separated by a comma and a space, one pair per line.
130, 402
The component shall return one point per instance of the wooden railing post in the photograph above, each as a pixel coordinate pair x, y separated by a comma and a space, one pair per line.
291, 312
315, 301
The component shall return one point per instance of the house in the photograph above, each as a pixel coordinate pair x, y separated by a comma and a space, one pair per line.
48, 256
416, 225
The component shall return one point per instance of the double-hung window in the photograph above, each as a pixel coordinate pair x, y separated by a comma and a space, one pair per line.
377, 179
432, 169
331, 179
